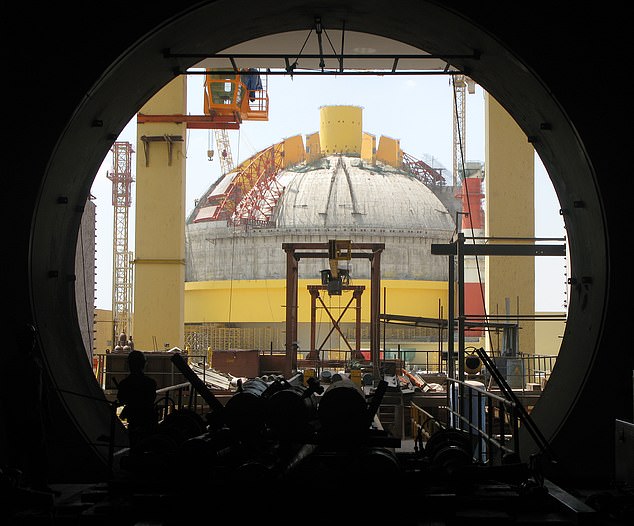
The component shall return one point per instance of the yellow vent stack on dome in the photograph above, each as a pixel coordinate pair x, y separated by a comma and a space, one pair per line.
340, 129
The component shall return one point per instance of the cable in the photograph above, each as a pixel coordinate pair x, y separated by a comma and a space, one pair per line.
466, 189
233, 244
268, 299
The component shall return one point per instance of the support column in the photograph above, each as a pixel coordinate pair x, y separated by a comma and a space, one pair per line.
291, 309
159, 265
357, 326
313, 353
510, 213
375, 283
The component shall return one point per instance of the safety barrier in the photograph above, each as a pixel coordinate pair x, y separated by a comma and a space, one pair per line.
491, 420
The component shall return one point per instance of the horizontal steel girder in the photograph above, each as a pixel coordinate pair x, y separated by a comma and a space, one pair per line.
469, 249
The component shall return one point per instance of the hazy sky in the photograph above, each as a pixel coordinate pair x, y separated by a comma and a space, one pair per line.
418, 110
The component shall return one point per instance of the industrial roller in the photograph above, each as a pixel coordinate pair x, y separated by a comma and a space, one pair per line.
449, 449
343, 411
245, 411
292, 412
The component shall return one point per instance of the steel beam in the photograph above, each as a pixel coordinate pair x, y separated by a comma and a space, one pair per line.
505, 249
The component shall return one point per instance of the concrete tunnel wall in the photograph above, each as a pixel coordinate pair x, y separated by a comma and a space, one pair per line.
107, 77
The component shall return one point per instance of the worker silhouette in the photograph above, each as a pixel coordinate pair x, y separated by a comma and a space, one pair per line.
137, 392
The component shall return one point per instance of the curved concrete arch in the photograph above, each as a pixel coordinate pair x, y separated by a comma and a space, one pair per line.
142, 69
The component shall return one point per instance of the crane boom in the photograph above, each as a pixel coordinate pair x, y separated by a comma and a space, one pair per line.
224, 151
460, 82
459, 150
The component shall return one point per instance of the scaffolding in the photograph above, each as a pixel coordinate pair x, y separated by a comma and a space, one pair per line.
201, 337
254, 190
121, 178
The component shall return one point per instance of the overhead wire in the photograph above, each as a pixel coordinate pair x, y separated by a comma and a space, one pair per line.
233, 249
465, 188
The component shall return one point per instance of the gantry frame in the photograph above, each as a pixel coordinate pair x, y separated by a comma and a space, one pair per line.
370, 251
314, 351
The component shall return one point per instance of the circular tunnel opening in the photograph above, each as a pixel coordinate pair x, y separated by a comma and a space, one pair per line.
144, 70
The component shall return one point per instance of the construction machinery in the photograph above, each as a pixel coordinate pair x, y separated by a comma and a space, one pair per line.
229, 99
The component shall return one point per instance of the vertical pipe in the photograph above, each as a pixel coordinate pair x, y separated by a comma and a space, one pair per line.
439, 336
166, 406
502, 417
357, 327
516, 430
451, 372
291, 309
384, 321
193, 400
313, 321
375, 265
461, 324
481, 446
489, 426
470, 405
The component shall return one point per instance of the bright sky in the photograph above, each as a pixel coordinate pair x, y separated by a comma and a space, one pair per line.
418, 110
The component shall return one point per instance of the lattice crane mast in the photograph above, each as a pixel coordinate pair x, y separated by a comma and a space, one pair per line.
224, 151
461, 83
121, 178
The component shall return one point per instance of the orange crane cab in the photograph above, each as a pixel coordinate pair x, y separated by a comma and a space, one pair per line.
236, 97
229, 99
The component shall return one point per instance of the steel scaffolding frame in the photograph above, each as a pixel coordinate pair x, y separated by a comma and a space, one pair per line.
122, 270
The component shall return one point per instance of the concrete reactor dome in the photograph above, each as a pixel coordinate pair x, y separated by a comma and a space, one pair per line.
348, 190
343, 192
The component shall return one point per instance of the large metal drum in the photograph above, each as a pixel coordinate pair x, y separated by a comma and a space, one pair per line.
343, 411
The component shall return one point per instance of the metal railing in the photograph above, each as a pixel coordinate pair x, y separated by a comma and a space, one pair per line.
492, 421
526, 369
165, 376
176, 398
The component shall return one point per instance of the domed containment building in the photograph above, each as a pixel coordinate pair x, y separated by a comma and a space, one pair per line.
337, 185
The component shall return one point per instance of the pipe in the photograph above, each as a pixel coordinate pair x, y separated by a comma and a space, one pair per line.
342, 410
197, 383
245, 410
292, 412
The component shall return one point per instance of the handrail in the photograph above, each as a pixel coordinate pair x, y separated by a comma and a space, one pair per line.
419, 428
525, 417
484, 424
484, 392
178, 402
